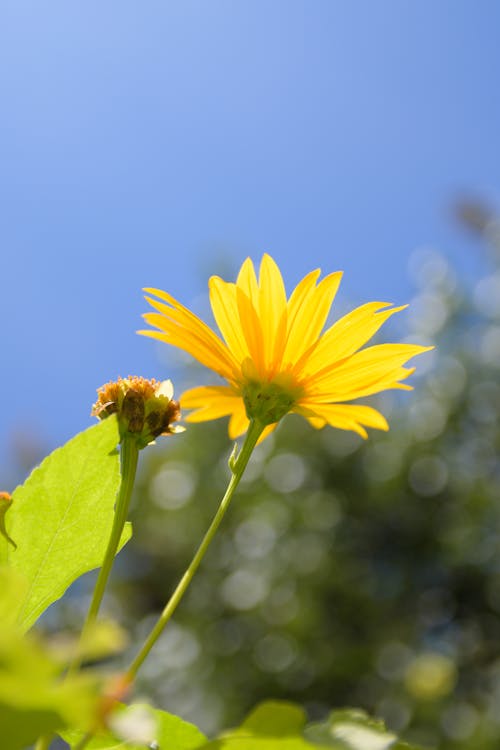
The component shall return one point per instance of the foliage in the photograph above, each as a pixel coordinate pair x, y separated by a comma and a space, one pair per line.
346, 572
57, 526
271, 726
33, 698
61, 517
130, 722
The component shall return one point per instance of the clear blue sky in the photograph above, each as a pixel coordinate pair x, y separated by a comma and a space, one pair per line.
139, 141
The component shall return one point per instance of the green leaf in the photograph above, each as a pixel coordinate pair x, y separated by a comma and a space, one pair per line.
129, 722
275, 719
34, 700
61, 517
274, 725
281, 726
353, 729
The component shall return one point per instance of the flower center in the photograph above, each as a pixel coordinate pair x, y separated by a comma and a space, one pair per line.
267, 403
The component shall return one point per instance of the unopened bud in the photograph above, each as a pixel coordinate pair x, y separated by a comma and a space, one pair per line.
145, 408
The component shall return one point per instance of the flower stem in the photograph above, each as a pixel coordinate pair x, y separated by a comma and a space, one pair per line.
237, 466
129, 453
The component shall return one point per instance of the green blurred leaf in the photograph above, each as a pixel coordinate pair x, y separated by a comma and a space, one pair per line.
34, 699
274, 725
352, 729
275, 718
281, 726
61, 517
141, 721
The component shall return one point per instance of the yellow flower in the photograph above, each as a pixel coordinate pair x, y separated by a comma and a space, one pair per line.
275, 357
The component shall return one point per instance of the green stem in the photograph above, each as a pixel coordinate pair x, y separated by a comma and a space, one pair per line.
237, 468
129, 453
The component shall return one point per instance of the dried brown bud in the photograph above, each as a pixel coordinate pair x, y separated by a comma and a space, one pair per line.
145, 408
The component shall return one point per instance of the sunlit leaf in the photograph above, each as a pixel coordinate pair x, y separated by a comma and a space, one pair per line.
281, 726
61, 517
273, 725
137, 726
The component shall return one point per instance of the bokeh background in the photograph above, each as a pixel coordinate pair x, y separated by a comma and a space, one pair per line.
158, 143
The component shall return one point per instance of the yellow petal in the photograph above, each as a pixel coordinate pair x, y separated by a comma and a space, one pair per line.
178, 319
225, 310
363, 369
389, 382
210, 402
238, 424
252, 331
348, 335
247, 282
272, 311
266, 431
310, 318
349, 417
196, 345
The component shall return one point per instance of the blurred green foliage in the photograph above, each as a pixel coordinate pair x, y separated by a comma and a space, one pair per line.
347, 572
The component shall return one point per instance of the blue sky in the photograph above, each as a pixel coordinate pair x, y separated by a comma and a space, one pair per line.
156, 143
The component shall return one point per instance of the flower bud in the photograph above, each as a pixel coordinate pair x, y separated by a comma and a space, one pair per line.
145, 408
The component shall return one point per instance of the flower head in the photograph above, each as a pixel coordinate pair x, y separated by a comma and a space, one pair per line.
274, 355
145, 408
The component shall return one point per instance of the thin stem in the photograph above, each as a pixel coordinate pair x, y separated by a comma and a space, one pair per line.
237, 468
129, 453
43, 743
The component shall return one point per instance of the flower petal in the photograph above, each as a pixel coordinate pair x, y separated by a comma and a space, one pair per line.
272, 311
225, 309
247, 282
187, 331
252, 331
310, 318
348, 335
347, 416
210, 402
238, 423
364, 369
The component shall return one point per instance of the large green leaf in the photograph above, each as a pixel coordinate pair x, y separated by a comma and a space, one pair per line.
61, 517
168, 731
